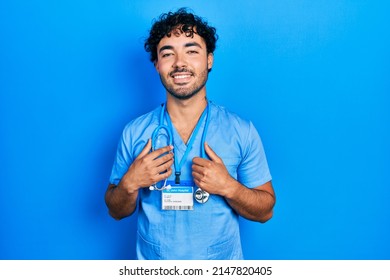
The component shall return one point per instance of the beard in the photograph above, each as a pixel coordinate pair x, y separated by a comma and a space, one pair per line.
184, 92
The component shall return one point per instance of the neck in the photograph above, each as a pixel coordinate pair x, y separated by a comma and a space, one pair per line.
184, 111
185, 114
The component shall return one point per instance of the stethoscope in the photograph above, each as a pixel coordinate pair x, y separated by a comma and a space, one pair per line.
155, 134
200, 195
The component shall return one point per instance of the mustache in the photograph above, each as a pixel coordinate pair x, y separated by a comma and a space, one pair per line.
180, 70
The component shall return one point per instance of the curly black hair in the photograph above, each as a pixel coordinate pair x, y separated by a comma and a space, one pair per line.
187, 22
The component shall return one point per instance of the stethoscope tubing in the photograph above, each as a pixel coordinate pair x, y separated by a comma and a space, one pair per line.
168, 130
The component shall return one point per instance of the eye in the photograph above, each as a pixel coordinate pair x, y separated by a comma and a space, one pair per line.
166, 55
192, 52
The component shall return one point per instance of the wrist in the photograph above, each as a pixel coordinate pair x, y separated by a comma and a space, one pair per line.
128, 186
232, 188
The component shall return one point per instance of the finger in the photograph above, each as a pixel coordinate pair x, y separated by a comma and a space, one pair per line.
212, 155
163, 176
164, 167
199, 172
145, 150
195, 176
198, 180
155, 154
163, 159
200, 161
198, 169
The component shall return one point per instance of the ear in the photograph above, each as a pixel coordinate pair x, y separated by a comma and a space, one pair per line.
210, 60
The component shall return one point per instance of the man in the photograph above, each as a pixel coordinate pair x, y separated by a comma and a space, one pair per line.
211, 169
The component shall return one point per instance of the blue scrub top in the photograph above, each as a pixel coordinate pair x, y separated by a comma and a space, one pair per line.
211, 230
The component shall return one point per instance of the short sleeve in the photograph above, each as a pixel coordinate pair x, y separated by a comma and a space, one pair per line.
123, 159
253, 170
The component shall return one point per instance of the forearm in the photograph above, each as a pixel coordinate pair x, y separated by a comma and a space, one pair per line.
145, 170
120, 202
253, 204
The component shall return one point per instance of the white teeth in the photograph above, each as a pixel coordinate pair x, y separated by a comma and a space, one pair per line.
181, 76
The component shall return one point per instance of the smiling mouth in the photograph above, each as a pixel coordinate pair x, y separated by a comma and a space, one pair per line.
180, 78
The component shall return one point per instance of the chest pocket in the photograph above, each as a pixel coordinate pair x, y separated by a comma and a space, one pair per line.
232, 164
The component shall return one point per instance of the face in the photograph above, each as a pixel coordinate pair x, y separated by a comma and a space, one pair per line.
183, 64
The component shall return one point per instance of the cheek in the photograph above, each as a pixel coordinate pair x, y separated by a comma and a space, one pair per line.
162, 68
200, 65
163, 65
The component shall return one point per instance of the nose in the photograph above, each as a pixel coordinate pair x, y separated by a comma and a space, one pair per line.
180, 61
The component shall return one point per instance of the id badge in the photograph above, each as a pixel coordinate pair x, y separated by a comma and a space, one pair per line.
178, 197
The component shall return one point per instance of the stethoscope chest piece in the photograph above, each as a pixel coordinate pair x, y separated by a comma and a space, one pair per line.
201, 196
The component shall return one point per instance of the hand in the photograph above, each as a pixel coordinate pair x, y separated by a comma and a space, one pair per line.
147, 168
211, 175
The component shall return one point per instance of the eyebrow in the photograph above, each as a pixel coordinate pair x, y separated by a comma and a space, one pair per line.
192, 44
187, 45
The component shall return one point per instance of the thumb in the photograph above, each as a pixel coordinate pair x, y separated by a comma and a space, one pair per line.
146, 149
212, 155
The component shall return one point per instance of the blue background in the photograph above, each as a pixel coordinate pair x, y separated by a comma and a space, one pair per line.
313, 76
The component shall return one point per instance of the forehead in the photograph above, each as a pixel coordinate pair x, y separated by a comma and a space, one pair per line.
179, 40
